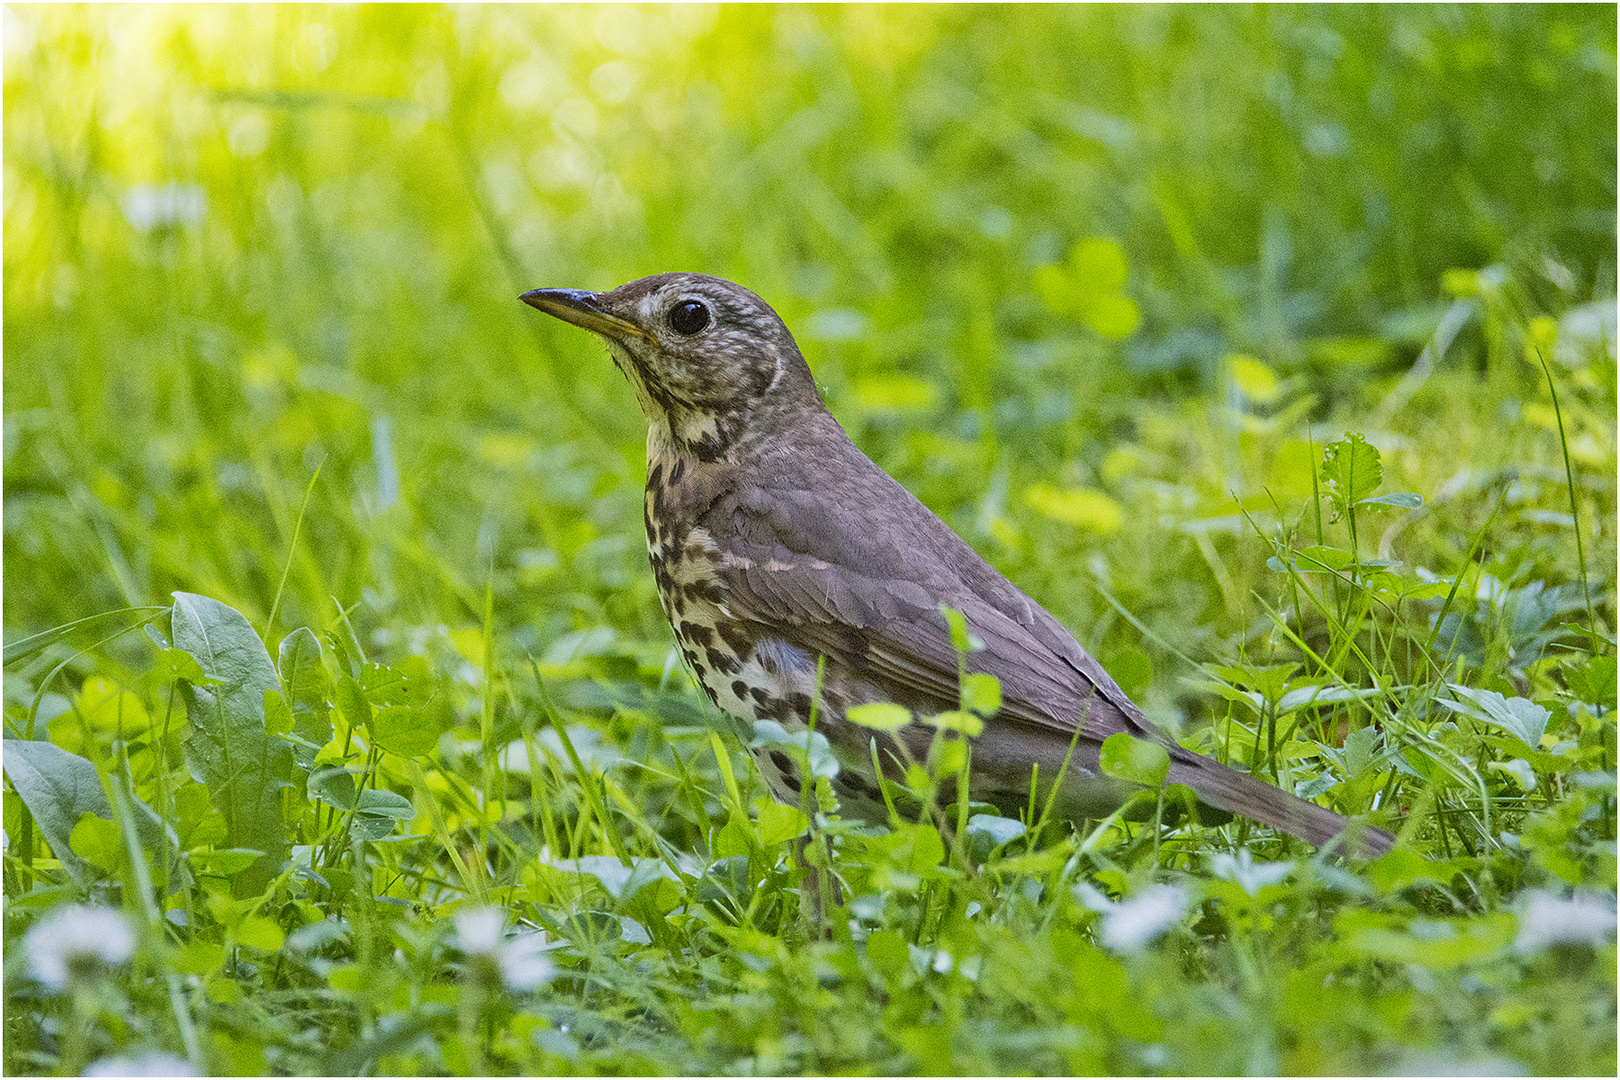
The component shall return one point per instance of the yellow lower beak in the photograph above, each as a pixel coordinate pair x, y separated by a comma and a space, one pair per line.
583, 309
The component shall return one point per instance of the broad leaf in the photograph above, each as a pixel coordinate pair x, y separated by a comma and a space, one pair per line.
1521, 716
378, 813
1405, 500
229, 749
618, 880
63, 791
879, 715
779, 823
981, 694
986, 832
306, 689
1126, 758
404, 730
1351, 470
58, 788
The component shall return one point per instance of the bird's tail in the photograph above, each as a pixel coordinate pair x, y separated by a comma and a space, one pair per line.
1239, 793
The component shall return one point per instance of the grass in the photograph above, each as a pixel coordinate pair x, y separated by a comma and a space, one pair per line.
1271, 349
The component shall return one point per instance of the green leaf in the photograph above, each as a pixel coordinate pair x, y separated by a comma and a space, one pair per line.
618, 880
965, 723
179, 664
1405, 500
351, 702
400, 683
986, 832
258, 932
99, 842
378, 813
1359, 746
1125, 757
389, 804
879, 716
307, 690
1089, 288
947, 757
278, 719
1351, 469
917, 848
981, 694
1435, 943
1114, 316
1098, 262
779, 823
1521, 716
228, 747
1594, 682
58, 788
333, 786
225, 861
404, 730
1519, 769
1300, 696
963, 640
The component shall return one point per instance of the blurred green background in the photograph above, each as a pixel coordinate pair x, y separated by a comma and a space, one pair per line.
1097, 283
1082, 277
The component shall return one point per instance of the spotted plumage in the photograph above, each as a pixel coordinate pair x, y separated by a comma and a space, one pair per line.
775, 543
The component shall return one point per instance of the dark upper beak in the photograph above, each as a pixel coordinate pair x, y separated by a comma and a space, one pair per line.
583, 309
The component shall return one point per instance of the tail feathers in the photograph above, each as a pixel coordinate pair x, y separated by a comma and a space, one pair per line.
1239, 793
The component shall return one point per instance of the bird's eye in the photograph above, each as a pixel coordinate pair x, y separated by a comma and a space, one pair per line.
688, 317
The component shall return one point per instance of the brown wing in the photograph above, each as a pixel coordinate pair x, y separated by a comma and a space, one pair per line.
864, 588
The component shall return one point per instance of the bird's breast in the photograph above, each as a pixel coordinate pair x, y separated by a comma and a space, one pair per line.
744, 670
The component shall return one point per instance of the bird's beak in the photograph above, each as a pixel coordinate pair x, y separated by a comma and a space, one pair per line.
583, 309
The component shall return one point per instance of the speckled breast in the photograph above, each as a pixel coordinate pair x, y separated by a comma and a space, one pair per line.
742, 668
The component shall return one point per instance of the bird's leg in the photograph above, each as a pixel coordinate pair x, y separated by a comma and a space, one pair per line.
817, 881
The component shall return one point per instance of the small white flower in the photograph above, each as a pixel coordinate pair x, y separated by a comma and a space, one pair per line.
524, 963
1549, 919
76, 941
1246, 872
1132, 923
519, 962
152, 1063
479, 929
148, 206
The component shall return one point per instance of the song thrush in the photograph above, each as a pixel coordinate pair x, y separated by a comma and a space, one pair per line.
775, 543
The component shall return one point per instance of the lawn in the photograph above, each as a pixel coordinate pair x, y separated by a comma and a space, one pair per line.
1270, 348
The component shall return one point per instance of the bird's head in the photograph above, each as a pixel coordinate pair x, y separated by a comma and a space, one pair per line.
707, 358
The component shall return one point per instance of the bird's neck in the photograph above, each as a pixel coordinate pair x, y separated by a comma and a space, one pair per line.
699, 434
735, 432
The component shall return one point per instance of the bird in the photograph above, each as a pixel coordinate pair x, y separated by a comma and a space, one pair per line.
801, 580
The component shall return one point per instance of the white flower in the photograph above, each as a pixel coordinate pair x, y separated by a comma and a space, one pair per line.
1246, 872
524, 963
1549, 919
152, 1063
147, 206
1132, 923
479, 929
519, 962
76, 941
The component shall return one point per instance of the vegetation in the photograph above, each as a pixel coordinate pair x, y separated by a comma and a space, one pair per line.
1272, 349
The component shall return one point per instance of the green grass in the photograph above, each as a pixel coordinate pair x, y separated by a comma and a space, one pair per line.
1106, 287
